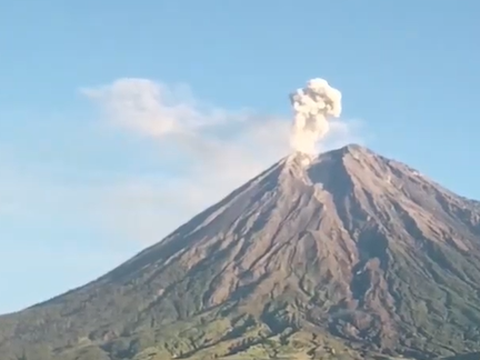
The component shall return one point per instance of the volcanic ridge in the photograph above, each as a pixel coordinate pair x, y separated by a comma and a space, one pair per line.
346, 255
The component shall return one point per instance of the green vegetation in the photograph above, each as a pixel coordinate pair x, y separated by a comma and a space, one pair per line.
243, 339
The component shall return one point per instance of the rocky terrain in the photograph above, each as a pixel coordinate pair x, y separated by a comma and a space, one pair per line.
345, 255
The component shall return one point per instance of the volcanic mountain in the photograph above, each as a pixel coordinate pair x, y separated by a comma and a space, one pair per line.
344, 255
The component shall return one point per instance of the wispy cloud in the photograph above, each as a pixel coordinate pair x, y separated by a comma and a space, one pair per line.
204, 152
211, 151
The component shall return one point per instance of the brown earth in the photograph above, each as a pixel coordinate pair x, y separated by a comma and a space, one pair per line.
348, 248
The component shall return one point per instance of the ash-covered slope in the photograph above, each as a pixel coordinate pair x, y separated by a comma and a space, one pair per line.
348, 250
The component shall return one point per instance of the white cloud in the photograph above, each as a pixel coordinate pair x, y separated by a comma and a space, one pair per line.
153, 109
213, 151
218, 150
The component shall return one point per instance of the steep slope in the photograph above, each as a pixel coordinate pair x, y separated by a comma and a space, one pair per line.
348, 253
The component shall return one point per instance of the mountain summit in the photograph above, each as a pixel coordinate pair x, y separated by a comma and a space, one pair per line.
347, 254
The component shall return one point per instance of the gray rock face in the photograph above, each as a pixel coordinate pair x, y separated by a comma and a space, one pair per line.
348, 243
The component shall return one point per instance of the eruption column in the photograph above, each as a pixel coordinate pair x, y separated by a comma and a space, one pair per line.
313, 106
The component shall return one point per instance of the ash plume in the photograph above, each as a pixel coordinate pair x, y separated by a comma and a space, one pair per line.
313, 106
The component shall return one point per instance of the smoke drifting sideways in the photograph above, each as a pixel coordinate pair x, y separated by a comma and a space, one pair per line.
313, 106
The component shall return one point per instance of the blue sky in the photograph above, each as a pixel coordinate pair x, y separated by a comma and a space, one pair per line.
83, 186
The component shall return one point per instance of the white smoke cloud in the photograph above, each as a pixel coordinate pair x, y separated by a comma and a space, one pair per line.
218, 150
313, 106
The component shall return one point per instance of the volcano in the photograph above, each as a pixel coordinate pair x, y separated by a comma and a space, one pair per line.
346, 255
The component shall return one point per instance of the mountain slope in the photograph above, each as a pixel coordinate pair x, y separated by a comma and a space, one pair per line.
345, 254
